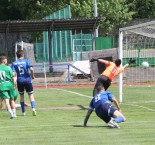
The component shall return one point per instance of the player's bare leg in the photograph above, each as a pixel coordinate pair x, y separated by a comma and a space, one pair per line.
7, 103
2, 102
13, 107
119, 114
119, 117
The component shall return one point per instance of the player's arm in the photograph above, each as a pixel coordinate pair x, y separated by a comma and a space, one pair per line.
100, 60
103, 61
116, 104
13, 80
32, 72
131, 61
125, 66
12, 76
87, 117
90, 110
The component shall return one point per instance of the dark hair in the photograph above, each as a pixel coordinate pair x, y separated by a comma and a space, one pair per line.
20, 53
118, 62
100, 87
2, 57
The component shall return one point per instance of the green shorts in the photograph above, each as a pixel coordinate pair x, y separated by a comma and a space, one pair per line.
9, 94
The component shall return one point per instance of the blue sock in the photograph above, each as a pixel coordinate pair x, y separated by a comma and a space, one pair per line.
33, 105
22, 106
119, 119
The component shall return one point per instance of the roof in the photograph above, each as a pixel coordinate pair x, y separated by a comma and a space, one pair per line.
50, 24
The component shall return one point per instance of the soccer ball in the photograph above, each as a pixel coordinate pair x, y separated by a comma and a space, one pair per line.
145, 64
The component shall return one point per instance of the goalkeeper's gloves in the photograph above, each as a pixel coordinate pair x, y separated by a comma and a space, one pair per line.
93, 59
131, 61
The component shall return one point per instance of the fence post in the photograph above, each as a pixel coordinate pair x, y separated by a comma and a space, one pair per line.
68, 76
44, 69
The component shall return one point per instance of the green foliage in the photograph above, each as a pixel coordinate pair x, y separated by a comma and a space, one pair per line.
114, 13
82, 8
34, 9
8, 11
143, 8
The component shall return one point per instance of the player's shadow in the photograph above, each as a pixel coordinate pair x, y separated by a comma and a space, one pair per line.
81, 107
89, 126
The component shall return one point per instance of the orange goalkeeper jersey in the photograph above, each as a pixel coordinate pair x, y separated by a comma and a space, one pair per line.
112, 71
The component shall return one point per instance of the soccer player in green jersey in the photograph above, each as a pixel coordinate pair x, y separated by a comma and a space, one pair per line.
7, 89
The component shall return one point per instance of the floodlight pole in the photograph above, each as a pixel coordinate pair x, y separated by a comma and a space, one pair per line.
95, 15
95, 34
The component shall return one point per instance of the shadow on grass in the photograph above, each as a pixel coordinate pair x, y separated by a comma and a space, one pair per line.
90, 126
81, 107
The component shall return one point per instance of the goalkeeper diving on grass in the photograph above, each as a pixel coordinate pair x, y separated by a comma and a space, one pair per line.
104, 110
112, 70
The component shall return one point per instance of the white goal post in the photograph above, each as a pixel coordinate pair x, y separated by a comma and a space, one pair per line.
138, 42
28, 49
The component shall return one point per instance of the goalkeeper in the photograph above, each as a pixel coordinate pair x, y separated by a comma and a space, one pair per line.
112, 70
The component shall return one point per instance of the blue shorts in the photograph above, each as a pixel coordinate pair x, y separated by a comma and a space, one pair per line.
105, 111
25, 86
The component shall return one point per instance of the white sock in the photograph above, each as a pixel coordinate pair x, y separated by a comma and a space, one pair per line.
14, 111
10, 112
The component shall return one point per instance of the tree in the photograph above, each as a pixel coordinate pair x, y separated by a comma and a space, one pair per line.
8, 11
115, 14
143, 8
83, 8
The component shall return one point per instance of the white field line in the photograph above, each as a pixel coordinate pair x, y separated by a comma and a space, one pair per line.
79, 94
139, 106
67, 124
122, 103
144, 102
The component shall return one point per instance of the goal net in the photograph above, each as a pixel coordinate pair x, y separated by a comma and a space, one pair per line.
28, 49
137, 42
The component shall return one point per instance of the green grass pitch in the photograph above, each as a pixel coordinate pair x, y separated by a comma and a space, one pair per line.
60, 115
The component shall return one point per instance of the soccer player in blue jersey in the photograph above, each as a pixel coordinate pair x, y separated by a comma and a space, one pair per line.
23, 69
104, 110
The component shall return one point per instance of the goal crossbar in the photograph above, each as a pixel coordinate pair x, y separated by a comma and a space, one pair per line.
137, 26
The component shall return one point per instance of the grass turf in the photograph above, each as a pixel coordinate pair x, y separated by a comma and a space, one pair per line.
64, 127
